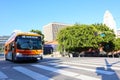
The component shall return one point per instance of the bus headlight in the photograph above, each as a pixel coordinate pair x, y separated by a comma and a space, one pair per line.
41, 54
19, 54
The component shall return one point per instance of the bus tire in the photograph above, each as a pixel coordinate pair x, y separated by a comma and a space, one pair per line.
14, 57
41, 58
6, 57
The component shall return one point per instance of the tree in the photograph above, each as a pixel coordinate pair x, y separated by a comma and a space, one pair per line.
105, 32
117, 44
78, 37
0, 48
38, 32
106, 35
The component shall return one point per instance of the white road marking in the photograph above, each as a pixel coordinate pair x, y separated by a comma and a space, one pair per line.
2, 75
31, 74
92, 65
82, 68
66, 73
115, 64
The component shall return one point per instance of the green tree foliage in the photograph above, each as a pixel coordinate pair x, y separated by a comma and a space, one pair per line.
104, 32
106, 37
38, 32
117, 44
0, 49
77, 37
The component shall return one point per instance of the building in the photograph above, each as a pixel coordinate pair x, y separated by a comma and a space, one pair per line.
118, 33
3, 40
109, 21
50, 30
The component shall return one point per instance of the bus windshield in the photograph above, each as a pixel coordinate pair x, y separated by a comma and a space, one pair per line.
29, 42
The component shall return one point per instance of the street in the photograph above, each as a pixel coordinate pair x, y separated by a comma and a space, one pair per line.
64, 68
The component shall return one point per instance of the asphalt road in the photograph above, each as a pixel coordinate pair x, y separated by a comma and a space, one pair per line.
86, 68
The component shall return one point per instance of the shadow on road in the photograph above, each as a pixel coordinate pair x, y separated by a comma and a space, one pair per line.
108, 73
35, 61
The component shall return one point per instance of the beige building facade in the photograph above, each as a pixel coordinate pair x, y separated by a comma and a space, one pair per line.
3, 39
50, 30
118, 33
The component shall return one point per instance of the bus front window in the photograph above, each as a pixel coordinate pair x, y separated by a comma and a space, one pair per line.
29, 43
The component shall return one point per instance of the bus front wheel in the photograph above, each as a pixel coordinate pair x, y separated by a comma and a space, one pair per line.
14, 57
6, 57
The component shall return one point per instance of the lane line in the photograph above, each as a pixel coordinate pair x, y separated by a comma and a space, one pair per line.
93, 62
67, 73
82, 68
98, 62
31, 74
92, 65
2, 75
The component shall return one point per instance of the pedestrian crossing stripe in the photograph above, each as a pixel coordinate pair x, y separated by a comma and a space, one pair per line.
2, 75
66, 73
93, 62
31, 73
82, 68
92, 65
77, 65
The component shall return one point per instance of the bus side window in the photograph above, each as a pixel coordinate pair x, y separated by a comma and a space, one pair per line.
10, 47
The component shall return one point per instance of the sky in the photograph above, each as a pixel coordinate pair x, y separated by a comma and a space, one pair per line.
25, 15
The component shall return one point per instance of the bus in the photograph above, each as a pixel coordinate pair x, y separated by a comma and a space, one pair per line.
24, 46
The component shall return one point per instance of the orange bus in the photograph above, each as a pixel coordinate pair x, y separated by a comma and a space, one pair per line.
23, 46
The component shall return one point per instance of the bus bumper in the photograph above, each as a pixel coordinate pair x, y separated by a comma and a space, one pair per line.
29, 57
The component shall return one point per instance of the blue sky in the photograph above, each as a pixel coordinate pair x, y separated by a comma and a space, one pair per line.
25, 15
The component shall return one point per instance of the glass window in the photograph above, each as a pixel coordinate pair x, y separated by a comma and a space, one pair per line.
29, 42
